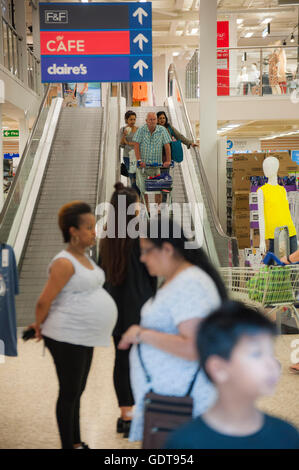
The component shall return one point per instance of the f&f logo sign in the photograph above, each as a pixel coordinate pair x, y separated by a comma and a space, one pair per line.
56, 16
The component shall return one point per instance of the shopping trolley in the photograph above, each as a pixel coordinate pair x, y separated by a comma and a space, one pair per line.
275, 287
158, 184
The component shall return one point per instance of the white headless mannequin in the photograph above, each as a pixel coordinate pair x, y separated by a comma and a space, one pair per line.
270, 168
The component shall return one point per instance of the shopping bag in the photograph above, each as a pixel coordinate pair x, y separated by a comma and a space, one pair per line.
133, 161
177, 153
271, 285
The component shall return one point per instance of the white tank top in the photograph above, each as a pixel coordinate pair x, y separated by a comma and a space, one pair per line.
83, 312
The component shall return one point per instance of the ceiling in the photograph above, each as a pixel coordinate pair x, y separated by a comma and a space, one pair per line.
176, 31
259, 129
176, 23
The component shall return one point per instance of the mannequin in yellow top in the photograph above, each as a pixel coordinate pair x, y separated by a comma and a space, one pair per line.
273, 207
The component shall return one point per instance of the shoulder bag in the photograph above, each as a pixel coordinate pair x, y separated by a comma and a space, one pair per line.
177, 154
163, 413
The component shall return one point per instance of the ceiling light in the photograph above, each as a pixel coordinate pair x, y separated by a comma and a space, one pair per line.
194, 30
84, 1
175, 54
292, 38
240, 20
248, 35
284, 43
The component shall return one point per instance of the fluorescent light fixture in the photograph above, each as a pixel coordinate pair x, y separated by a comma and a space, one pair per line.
248, 35
175, 54
84, 1
194, 30
240, 20
266, 20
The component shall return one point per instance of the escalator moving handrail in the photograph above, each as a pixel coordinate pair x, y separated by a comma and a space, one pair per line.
27, 146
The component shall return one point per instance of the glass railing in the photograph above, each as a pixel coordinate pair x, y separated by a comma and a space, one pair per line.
10, 43
251, 71
11, 49
219, 246
14, 197
33, 65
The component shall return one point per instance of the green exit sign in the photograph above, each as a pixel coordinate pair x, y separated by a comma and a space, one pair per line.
11, 133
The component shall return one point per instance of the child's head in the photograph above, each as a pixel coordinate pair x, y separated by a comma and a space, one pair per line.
235, 345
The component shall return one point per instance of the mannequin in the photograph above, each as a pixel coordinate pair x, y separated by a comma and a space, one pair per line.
253, 78
282, 65
273, 208
273, 73
242, 81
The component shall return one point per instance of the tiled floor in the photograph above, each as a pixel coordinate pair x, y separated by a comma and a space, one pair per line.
28, 391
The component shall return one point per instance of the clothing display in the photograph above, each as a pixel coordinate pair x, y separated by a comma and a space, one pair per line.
274, 434
9, 288
276, 210
140, 91
83, 312
191, 294
273, 69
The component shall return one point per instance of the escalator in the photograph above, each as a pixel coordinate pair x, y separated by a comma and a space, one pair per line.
190, 182
71, 172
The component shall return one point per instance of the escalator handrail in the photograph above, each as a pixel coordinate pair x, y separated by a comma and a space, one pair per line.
27, 146
210, 201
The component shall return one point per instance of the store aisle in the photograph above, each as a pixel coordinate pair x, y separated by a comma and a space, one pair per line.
28, 390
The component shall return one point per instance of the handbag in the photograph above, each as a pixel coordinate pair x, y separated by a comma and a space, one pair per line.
133, 161
163, 414
177, 154
123, 170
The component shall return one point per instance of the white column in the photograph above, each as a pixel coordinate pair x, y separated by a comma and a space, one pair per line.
233, 60
208, 92
20, 23
2, 96
160, 77
221, 182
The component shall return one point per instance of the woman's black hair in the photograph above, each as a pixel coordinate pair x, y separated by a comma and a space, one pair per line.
167, 230
160, 113
129, 114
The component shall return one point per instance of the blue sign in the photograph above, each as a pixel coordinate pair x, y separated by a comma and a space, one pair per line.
295, 156
230, 144
96, 42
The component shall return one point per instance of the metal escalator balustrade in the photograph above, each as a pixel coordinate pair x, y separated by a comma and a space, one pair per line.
71, 174
215, 238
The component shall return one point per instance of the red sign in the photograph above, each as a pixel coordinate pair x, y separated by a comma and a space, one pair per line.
85, 42
222, 58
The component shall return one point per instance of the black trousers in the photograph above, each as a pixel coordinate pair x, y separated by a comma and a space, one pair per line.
72, 364
121, 375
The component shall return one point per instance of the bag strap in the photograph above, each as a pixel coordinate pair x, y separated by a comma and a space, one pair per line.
148, 377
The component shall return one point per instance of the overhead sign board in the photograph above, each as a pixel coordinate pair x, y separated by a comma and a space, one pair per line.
96, 42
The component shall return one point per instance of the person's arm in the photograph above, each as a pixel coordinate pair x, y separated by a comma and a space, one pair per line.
182, 345
60, 273
167, 155
292, 258
183, 139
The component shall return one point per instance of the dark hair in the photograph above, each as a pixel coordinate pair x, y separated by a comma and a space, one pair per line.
115, 251
129, 114
69, 216
160, 113
178, 240
219, 333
